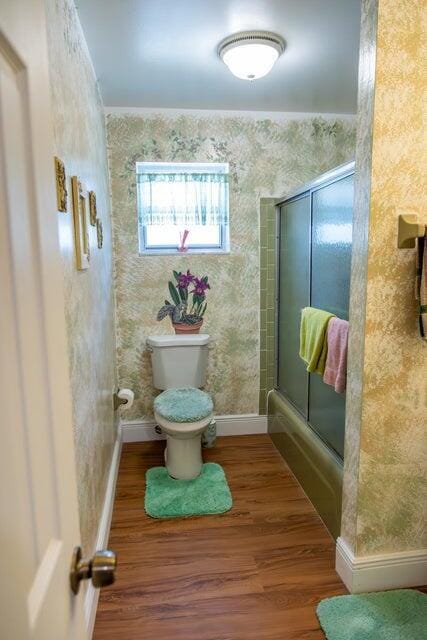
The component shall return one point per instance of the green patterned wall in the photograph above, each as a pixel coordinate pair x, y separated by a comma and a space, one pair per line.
267, 158
79, 128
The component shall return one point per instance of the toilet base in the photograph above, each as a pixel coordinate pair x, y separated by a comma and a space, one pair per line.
183, 457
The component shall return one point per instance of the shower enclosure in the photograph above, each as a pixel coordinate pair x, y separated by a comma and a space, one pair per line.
307, 417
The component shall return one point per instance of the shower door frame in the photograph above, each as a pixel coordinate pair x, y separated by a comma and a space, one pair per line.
308, 189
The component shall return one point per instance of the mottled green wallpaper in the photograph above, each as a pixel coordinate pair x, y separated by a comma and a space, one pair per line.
79, 128
362, 195
267, 158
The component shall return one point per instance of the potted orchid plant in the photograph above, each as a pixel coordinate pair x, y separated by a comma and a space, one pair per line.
187, 308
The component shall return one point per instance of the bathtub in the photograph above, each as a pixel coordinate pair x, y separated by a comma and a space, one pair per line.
316, 467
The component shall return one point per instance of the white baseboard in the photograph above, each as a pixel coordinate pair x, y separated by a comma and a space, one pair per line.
92, 594
380, 572
144, 430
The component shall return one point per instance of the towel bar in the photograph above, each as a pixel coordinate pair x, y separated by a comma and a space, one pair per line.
408, 230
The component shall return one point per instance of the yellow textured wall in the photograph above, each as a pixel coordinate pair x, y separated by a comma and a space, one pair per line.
389, 484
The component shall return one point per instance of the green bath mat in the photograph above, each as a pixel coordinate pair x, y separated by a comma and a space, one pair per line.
165, 497
389, 615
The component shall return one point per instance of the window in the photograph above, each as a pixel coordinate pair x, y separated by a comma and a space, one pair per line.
182, 207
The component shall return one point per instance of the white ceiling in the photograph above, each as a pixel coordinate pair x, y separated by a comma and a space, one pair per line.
162, 53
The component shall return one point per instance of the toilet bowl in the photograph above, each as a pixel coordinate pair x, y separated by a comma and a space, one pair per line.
183, 453
183, 414
182, 411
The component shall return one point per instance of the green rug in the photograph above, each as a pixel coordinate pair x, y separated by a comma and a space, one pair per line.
165, 497
389, 615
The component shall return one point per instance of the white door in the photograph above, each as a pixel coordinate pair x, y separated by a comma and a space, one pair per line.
38, 517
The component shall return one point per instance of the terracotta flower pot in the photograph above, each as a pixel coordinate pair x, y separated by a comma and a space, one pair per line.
187, 329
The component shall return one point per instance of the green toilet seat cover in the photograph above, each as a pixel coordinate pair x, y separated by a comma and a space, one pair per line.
183, 405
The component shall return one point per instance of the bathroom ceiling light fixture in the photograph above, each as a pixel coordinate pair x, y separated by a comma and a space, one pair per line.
251, 54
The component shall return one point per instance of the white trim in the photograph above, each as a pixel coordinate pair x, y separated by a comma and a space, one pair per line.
144, 430
241, 425
92, 594
380, 572
225, 113
139, 431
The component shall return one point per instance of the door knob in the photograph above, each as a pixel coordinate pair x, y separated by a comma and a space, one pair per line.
100, 568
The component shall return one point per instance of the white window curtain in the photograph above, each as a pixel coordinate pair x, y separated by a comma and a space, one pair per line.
182, 198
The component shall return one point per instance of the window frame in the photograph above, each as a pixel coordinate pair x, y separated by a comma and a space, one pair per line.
224, 228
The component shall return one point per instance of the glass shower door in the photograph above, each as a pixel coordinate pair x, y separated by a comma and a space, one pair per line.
294, 294
331, 234
314, 270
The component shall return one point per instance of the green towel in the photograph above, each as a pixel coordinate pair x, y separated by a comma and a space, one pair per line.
313, 344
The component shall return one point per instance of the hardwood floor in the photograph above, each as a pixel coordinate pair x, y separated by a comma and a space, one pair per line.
255, 573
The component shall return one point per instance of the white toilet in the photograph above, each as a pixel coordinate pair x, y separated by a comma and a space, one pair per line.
182, 411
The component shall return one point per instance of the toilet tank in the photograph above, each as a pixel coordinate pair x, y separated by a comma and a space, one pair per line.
179, 361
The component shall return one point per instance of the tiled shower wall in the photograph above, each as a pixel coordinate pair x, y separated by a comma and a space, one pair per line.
267, 299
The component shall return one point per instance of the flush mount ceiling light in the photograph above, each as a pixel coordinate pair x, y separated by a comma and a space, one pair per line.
251, 54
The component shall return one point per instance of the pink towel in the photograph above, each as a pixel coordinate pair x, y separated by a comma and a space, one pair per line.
336, 360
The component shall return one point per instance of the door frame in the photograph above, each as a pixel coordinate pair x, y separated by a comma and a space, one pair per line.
37, 545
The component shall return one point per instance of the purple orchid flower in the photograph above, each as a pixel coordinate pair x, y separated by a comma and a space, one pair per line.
184, 280
200, 286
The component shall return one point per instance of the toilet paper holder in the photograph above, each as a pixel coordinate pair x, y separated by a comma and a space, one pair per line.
117, 401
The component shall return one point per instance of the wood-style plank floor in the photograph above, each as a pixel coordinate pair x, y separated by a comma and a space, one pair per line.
255, 573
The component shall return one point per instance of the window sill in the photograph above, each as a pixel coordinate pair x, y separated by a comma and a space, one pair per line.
165, 252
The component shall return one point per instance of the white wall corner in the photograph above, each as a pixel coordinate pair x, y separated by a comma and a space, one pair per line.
231, 425
380, 572
92, 594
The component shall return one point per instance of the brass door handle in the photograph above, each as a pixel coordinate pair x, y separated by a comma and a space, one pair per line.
100, 568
